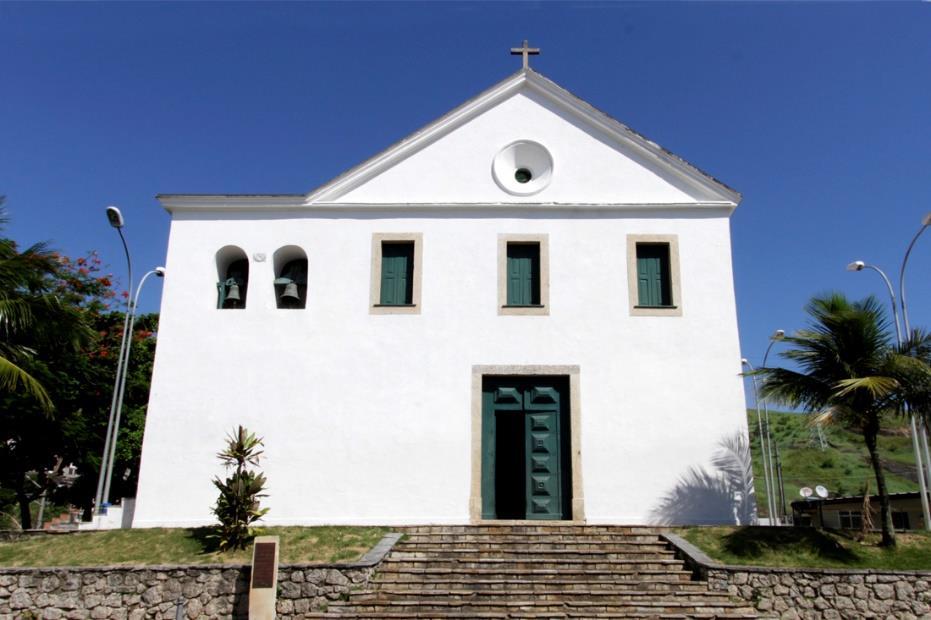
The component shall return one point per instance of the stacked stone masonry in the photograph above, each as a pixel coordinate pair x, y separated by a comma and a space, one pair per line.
544, 571
124, 593
829, 594
465, 572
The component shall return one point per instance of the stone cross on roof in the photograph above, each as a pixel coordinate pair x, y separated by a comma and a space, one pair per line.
526, 52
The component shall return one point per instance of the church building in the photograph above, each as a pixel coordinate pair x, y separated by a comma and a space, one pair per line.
523, 311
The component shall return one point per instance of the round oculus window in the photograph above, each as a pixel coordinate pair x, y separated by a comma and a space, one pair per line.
522, 168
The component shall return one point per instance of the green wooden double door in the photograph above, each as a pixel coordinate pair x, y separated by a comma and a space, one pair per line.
525, 448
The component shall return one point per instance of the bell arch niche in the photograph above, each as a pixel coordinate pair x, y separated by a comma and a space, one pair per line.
232, 278
290, 264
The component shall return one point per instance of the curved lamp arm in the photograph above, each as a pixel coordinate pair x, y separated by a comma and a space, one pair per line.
160, 272
925, 222
859, 265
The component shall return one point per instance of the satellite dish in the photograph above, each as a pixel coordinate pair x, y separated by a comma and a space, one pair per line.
805, 492
821, 491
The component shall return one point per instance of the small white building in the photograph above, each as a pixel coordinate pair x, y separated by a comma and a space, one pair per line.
846, 512
525, 310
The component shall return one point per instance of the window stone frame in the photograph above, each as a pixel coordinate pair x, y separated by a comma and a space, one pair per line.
543, 239
675, 282
375, 307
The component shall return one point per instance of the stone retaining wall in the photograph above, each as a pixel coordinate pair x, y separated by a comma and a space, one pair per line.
793, 594
120, 592
832, 594
205, 591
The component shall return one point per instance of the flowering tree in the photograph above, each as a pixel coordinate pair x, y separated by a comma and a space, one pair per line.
69, 353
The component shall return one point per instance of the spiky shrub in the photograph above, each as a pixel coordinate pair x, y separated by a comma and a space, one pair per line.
238, 505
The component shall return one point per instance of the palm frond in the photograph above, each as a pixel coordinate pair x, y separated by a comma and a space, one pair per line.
15, 315
877, 387
917, 344
793, 388
13, 378
837, 414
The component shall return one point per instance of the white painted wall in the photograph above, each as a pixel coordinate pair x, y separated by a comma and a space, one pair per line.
366, 418
589, 165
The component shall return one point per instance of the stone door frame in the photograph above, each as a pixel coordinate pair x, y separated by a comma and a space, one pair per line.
575, 442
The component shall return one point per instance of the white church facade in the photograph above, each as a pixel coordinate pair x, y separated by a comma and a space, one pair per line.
523, 311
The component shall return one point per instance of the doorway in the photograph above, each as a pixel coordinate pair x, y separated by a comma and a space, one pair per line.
526, 465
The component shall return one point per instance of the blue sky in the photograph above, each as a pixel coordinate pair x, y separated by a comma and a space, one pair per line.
820, 114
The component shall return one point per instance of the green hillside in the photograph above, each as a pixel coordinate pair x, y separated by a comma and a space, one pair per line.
843, 466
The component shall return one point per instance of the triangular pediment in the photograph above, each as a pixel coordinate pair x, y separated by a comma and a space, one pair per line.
481, 153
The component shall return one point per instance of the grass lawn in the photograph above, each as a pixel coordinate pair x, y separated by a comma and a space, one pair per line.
807, 547
184, 546
843, 466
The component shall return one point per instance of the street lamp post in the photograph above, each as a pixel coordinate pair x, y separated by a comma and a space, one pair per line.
759, 421
116, 221
859, 265
919, 438
159, 272
902, 332
774, 450
916, 432
922, 430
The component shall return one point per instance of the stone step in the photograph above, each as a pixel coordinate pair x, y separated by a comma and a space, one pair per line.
512, 554
345, 614
469, 562
537, 574
555, 595
542, 606
534, 571
522, 530
658, 583
535, 538
525, 547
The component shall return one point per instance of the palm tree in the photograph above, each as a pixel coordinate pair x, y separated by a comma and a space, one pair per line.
31, 314
851, 372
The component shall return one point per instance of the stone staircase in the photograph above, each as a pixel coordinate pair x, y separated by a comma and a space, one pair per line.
534, 571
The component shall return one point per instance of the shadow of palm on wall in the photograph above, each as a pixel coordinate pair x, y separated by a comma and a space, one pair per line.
722, 495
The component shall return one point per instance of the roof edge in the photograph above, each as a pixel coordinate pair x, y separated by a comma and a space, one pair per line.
359, 174
574, 103
370, 167
295, 202
179, 202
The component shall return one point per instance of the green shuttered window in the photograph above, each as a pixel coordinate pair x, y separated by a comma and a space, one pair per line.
523, 272
397, 273
654, 286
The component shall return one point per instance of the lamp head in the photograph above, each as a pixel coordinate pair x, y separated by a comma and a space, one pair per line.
160, 272
926, 220
856, 265
779, 334
115, 217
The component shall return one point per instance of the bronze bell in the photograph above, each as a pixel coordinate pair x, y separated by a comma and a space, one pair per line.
290, 293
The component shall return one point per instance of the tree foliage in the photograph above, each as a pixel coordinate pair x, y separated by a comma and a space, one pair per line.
237, 507
33, 315
850, 372
71, 351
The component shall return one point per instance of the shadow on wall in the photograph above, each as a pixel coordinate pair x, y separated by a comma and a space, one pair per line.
722, 496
